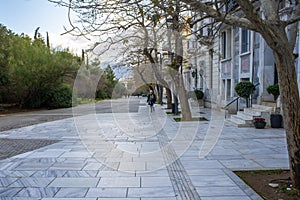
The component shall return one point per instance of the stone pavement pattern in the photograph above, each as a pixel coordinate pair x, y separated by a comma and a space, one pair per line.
134, 156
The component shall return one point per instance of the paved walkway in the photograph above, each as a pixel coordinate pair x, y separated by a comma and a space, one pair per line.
139, 156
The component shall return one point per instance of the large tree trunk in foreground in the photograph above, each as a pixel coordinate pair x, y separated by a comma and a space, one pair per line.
291, 108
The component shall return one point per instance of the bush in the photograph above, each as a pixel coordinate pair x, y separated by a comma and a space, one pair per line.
196, 94
199, 94
37, 100
274, 90
60, 97
245, 89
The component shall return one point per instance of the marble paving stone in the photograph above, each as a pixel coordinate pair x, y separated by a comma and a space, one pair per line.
132, 166
75, 154
107, 192
4, 182
226, 198
30, 166
217, 180
71, 192
155, 165
74, 182
82, 174
283, 156
205, 172
251, 157
160, 198
8, 192
156, 182
49, 173
160, 172
119, 182
241, 164
60, 198
93, 166
19, 198
151, 192
45, 154
202, 164
67, 166
273, 163
109, 173
32, 182
257, 150
220, 191
37, 192
15, 174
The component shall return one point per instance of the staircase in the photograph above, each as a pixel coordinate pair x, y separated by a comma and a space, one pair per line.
245, 118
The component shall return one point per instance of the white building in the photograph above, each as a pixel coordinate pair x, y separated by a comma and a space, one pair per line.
236, 55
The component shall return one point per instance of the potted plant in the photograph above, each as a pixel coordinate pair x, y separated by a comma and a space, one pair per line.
275, 118
245, 89
259, 122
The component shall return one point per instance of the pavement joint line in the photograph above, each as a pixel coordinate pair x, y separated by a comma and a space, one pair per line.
249, 191
179, 178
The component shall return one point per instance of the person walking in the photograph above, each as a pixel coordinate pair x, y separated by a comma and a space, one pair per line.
151, 99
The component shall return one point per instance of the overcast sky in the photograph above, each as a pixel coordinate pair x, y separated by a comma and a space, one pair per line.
24, 16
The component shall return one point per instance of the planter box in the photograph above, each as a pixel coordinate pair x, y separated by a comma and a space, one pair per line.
276, 120
260, 125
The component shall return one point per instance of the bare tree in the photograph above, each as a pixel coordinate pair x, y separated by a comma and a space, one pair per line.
120, 22
280, 33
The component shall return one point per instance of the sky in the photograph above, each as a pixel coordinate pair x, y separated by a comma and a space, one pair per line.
24, 16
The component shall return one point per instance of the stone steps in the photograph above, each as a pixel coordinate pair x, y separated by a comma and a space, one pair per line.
245, 118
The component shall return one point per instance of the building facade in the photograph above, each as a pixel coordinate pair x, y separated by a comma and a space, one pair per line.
235, 55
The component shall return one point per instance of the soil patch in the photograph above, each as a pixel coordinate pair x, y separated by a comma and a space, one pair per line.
259, 181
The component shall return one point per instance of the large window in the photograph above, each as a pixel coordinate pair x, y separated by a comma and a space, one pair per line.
245, 40
226, 44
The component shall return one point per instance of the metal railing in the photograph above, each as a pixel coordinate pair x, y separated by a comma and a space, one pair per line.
237, 103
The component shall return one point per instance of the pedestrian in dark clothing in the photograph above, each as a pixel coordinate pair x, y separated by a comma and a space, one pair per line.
151, 99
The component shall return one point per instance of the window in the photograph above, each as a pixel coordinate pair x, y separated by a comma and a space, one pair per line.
245, 41
226, 44
282, 4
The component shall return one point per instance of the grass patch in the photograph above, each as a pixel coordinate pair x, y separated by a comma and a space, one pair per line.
179, 119
86, 100
169, 113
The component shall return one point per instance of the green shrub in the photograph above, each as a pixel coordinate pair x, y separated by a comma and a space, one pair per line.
199, 94
196, 94
274, 90
245, 89
60, 97
102, 94
37, 100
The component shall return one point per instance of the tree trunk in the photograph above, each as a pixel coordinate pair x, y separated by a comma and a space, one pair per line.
185, 108
291, 108
169, 98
